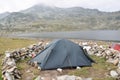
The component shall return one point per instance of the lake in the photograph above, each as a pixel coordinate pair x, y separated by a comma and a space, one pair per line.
109, 35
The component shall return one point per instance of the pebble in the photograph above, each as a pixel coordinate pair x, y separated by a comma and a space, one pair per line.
28, 71
59, 70
114, 74
78, 67
87, 79
38, 78
116, 61
66, 77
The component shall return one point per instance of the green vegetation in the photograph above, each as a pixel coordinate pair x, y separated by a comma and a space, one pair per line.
98, 71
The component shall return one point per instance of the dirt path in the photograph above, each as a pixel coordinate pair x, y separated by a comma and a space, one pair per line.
29, 73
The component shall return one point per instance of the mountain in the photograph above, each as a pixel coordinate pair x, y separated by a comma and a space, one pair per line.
4, 15
45, 18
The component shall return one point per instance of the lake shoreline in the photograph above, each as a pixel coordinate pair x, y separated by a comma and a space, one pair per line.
105, 35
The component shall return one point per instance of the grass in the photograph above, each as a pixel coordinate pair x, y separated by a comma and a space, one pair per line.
13, 43
21, 64
98, 71
24, 67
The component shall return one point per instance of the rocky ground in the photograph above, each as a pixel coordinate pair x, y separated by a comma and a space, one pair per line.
15, 64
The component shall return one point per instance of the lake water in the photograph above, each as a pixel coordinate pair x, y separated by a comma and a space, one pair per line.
110, 35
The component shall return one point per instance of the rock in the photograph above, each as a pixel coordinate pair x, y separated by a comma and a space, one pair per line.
66, 77
84, 43
114, 74
47, 43
118, 71
101, 46
87, 79
7, 54
118, 65
78, 78
40, 43
108, 52
11, 69
42, 78
28, 71
33, 54
104, 54
59, 70
39, 68
38, 78
11, 62
35, 64
110, 60
47, 78
98, 54
87, 48
116, 62
118, 55
78, 67
23, 58
107, 57
8, 76
90, 52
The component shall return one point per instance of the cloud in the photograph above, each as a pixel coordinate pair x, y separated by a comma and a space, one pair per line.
103, 5
15, 5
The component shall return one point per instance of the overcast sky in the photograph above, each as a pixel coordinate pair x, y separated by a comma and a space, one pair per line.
102, 5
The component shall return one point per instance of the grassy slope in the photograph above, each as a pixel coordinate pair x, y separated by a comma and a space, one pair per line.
12, 43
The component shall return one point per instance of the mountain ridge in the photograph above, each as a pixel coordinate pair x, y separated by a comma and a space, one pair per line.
45, 18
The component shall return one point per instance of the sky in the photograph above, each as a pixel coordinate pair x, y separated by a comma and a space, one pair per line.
102, 5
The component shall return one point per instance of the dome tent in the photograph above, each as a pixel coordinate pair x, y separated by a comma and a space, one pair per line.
62, 53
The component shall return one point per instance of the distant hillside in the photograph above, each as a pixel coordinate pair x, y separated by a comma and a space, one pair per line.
4, 15
45, 18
